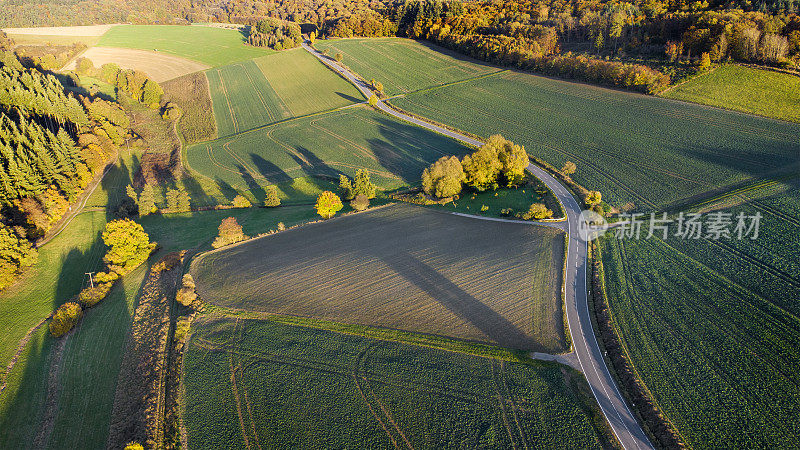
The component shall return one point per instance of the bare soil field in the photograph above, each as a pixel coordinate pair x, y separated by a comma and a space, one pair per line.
158, 66
402, 267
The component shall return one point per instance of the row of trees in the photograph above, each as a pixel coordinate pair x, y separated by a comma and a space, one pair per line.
497, 163
128, 247
275, 34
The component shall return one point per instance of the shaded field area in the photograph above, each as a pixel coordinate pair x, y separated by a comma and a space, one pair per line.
211, 46
643, 152
247, 384
755, 91
304, 84
76, 406
403, 267
403, 65
394, 152
158, 66
711, 326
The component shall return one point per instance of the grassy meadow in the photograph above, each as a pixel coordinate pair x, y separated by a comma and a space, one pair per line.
644, 152
403, 65
425, 271
754, 91
247, 383
212, 46
192, 94
395, 153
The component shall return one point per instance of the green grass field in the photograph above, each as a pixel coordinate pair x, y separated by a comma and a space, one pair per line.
212, 46
648, 152
395, 153
304, 84
243, 99
755, 91
93, 353
712, 335
247, 383
403, 65
403, 267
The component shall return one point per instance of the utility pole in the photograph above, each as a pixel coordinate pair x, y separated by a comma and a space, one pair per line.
91, 280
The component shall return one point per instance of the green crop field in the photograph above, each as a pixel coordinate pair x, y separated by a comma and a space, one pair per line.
266, 90
403, 267
263, 384
394, 152
212, 46
304, 84
403, 65
243, 99
756, 91
649, 152
718, 356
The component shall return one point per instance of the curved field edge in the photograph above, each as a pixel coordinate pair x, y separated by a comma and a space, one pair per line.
226, 351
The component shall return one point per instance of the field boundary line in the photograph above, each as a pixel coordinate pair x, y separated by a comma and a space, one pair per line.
258, 93
374, 413
699, 75
386, 412
20, 348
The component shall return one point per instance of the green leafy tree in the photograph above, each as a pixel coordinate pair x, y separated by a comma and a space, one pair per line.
230, 232
593, 198
241, 202
147, 201
15, 254
272, 198
513, 159
444, 178
65, 318
328, 204
151, 93
537, 211
338, 57
186, 294
482, 168
373, 100
128, 245
345, 187
362, 184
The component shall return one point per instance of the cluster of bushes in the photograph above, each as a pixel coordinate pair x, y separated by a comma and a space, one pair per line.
133, 83
275, 34
186, 294
497, 163
48, 57
128, 247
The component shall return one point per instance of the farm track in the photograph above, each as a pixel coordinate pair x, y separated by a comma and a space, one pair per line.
622, 421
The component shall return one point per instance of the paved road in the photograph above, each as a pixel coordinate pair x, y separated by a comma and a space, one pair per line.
590, 359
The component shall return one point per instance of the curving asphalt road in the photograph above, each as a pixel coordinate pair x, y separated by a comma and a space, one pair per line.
590, 359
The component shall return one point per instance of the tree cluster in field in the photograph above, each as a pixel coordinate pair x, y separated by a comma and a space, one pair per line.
275, 34
143, 203
128, 247
48, 57
52, 143
132, 83
497, 163
186, 294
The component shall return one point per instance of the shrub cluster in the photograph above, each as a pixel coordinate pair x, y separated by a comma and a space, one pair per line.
65, 318
229, 232
186, 294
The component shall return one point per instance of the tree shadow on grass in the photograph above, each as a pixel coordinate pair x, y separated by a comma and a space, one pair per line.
252, 185
497, 328
349, 98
